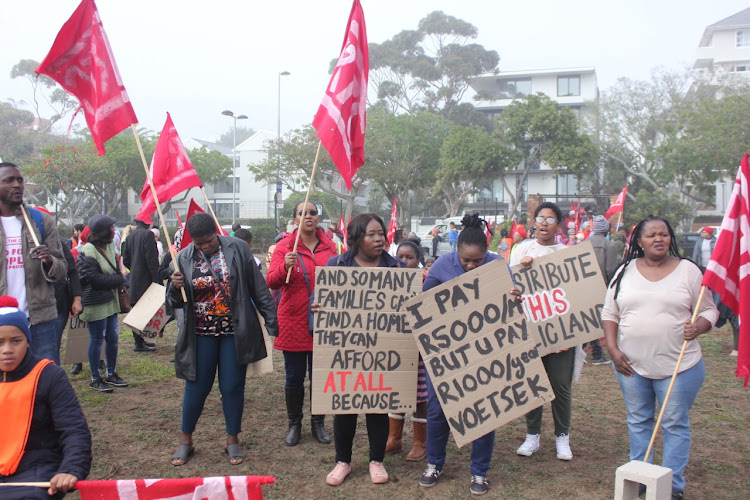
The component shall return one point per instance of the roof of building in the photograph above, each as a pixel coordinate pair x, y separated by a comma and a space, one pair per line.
211, 146
739, 20
257, 141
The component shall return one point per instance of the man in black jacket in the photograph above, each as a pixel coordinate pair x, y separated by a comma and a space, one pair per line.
140, 255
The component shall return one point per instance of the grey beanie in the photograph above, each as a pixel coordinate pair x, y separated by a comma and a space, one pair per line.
601, 224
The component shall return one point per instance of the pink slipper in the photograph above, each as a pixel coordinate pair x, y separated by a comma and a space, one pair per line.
378, 475
338, 474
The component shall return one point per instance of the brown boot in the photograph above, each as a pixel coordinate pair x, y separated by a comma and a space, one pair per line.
418, 451
395, 432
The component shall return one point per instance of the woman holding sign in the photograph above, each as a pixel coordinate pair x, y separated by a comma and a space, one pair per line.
646, 320
295, 332
471, 253
558, 365
366, 241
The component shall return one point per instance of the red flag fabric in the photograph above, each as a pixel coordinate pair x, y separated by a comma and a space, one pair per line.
618, 205
394, 223
179, 222
171, 170
192, 488
194, 208
340, 120
81, 61
728, 271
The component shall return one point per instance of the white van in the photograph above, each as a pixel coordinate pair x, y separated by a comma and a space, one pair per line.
444, 226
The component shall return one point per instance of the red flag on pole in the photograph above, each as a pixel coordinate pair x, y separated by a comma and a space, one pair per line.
81, 61
728, 271
179, 221
192, 488
194, 208
394, 223
340, 120
618, 205
171, 170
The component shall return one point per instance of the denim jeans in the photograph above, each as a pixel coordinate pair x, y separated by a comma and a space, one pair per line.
212, 352
438, 432
640, 394
44, 341
296, 364
100, 331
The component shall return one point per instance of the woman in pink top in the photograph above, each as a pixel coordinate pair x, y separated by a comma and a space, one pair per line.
646, 319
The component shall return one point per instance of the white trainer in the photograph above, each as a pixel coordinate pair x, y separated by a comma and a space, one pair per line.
563, 447
530, 446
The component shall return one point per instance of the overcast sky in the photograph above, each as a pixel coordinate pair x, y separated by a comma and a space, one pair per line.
196, 58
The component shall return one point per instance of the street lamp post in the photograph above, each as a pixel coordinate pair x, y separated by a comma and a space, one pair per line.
277, 193
226, 112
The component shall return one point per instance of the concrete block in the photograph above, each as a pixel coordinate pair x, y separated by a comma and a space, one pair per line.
657, 479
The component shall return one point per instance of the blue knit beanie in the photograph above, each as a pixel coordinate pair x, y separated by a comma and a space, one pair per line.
11, 315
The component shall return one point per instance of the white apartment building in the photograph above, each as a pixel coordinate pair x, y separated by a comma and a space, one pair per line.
570, 87
725, 45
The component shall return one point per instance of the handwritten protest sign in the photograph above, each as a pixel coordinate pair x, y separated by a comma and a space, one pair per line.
148, 315
482, 361
77, 345
563, 296
265, 365
364, 356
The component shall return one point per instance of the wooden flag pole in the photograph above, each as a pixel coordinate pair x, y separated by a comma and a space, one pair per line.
24, 211
210, 208
304, 206
158, 207
674, 376
619, 219
36, 485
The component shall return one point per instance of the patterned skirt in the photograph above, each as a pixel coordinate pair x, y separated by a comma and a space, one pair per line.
421, 382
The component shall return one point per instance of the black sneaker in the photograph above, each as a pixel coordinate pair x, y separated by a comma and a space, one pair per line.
77, 368
429, 476
601, 360
149, 344
115, 380
677, 494
479, 485
100, 385
144, 348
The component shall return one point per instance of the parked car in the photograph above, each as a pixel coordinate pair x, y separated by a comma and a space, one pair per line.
443, 226
687, 242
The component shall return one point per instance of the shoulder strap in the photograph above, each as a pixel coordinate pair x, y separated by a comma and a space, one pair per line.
37, 216
114, 267
304, 273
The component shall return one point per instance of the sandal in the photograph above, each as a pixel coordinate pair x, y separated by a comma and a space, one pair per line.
183, 454
234, 453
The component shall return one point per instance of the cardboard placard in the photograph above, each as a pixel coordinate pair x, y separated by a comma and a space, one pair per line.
77, 346
482, 361
265, 365
563, 295
364, 356
147, 316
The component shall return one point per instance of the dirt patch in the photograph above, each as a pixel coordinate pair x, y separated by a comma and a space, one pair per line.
135, 432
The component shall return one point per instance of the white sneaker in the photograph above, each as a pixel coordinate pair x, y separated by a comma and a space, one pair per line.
530, 446
563, 447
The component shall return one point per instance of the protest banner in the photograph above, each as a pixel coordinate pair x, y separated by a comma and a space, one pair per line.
364, 356
265, 365
563, 295
482, 361
77, 345
148, 316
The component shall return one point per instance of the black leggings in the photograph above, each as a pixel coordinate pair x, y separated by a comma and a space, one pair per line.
344, 427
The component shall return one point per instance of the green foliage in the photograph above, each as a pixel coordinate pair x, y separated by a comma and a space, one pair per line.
657, 203
17, 141
46, 90
227, 138
428, 68
331, 205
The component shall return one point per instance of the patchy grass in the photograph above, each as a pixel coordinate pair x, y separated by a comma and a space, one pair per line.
136, 429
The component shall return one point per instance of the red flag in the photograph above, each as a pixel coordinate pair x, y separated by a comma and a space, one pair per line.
340, 120
618, 205
728, 271
179, 222
171, 170
192, 488
394, 223
81, 61
194, 208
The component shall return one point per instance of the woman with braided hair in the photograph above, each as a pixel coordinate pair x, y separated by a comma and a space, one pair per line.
647, 318
471, 252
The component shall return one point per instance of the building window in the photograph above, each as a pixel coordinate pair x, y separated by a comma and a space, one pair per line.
567, 184
224, 210
225, 186
743, 38
568, 85
513, 88
742, 67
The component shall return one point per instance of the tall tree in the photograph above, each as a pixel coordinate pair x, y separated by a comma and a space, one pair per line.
47, 96
429, 68
537, 130
17, 139
227, 138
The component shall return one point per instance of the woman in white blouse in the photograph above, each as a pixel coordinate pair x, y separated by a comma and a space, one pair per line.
646, 319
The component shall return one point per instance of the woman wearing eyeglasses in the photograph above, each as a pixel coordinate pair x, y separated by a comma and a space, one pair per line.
558, 365
295, 338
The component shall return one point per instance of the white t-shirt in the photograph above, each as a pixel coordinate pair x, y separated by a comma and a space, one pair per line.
14, 273
651, 318
705, 252
532, 248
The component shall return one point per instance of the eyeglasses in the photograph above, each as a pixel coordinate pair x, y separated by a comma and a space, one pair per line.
309, 212
540, 219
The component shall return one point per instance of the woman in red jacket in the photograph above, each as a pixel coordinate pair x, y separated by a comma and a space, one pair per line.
295, 338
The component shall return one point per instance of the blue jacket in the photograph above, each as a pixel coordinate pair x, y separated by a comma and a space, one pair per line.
448, 267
